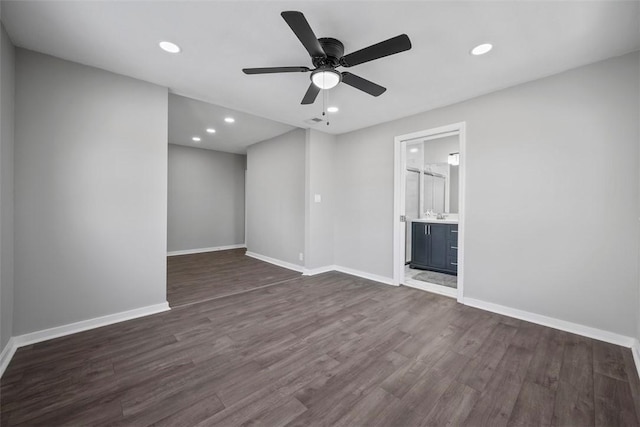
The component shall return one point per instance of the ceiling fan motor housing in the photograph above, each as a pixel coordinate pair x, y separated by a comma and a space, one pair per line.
333, 48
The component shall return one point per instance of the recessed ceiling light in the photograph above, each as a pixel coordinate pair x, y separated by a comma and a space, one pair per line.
229, 119
211, 130
169, 47
196, 138
332, 109
481, 49
413, 150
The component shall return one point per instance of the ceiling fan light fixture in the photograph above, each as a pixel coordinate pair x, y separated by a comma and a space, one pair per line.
325, 79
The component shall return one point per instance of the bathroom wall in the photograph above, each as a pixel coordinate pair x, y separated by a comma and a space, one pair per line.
438, 150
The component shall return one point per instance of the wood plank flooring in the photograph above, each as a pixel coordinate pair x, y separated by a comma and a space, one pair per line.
199, 277
328, 350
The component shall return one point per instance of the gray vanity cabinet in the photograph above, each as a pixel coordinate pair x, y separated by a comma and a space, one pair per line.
419, 245
434, 247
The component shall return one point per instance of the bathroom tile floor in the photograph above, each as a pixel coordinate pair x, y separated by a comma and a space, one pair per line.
436, 278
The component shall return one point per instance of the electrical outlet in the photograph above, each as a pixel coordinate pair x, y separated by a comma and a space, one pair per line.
317, 198
301, 256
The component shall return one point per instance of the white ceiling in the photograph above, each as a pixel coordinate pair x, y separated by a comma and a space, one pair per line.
532, 39
189, 117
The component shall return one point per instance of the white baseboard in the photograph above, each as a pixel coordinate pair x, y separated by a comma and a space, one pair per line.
72, 328
202, 250
635, 350
277, 262
364, 275
430, 287
319, 270
551, 322
84, 325
7, 354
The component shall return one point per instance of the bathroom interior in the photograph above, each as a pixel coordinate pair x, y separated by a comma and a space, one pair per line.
432, 210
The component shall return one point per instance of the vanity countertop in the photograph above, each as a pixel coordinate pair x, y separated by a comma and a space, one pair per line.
436, 221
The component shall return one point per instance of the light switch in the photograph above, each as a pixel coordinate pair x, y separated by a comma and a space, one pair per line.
317, 198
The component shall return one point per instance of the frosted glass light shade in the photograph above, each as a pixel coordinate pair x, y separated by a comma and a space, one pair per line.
325, 79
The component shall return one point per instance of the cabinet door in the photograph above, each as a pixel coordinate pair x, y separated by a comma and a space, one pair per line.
437, 248
419, 243
452, 262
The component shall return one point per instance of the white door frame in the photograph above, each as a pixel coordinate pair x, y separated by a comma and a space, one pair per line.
399, 228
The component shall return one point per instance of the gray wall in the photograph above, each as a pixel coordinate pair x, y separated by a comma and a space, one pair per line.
364, 194
551, 196
90, 193
206, 198
7, 89
319, 216
276, 197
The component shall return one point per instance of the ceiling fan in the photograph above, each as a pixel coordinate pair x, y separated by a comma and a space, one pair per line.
328, 53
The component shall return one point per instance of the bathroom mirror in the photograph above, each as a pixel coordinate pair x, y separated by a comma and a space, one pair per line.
433, 176
440, 188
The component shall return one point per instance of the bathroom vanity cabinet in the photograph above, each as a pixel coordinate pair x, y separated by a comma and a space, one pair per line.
434, 246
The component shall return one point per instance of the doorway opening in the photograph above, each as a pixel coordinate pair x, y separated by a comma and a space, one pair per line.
429, 210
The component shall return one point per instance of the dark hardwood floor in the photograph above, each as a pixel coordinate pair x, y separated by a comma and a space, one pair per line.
331, 350
199, 277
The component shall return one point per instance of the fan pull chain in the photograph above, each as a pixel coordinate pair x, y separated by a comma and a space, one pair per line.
324, 102
324, 95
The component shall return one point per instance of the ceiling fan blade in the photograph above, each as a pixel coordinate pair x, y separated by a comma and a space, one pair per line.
311, 95
269, 70
303, 31
363, 84
379, 50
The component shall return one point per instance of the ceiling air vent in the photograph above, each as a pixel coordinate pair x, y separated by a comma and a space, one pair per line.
313, 121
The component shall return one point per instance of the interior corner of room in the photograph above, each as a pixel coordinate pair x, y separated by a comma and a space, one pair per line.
124, 198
